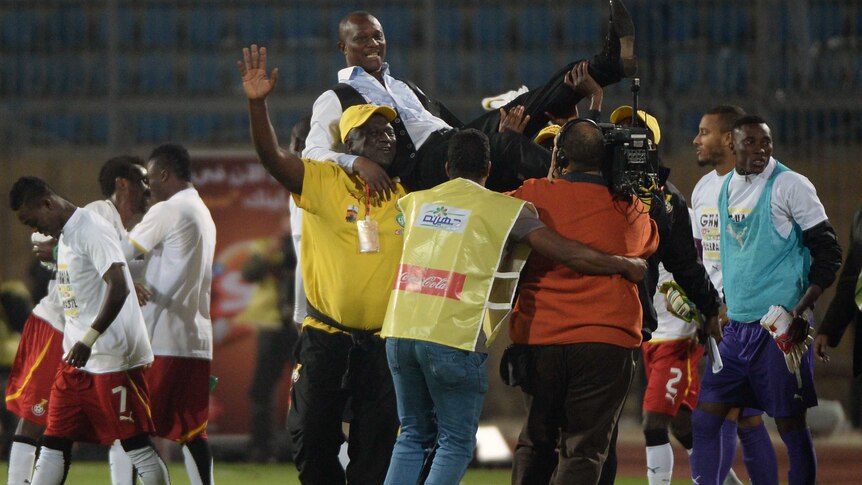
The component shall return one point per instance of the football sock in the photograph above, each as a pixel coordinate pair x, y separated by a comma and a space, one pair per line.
759, 455
22, 456
706, 452
728, 448
199, 461
51, 467
803, 462
122, 472
659, 463
150, 467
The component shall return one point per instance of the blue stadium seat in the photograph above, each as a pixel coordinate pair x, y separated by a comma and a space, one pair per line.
66, 75
490, 27
126, 22
99, 128
536, 26
685, 73
302, 24
201, 127
488, 72
683, 22
160, 27
20, 28
156, 74
449, 26
728, 71
204, 74
397, 24
63, 128
535, 66
727, 23
829, 70
153, 128
448, 72
582, 25
255, 25
205, 26
67, 27
826, 20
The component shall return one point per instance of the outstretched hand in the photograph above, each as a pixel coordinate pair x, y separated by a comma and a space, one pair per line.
255, 82
513, 120
581, 82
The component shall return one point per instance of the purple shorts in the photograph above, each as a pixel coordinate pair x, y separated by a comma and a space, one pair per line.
755, 375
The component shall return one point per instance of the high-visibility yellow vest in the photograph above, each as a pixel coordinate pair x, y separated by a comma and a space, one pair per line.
456, 281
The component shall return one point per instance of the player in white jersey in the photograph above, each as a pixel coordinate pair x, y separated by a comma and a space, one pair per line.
177, 236
713, 145
99, 393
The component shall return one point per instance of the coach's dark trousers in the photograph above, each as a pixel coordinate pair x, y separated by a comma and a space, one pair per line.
325, 392
575, 394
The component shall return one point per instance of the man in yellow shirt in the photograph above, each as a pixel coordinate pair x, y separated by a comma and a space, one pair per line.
349, 262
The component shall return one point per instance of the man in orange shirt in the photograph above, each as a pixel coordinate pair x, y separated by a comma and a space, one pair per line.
582, 331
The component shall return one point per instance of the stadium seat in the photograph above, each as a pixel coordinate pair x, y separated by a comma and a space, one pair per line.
62, 128
728, 71
397, 24
826, 20
302, 24
582, 25
67, 27
255, 25
201, 127
489, 71
20, 29
160, 27
685, 73
448, 72
204, 74
99, 128
536, 26
126, 22
490, 27
449, 26
205, 27
683, 22
535, 66
153, 127
727, 23
156, 74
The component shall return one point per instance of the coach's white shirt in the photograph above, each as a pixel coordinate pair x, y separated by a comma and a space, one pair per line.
178, 237
87, 248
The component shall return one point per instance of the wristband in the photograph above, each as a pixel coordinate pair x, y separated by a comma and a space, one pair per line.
90, 337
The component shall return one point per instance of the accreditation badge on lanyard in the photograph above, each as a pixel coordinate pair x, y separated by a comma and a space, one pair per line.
369, 236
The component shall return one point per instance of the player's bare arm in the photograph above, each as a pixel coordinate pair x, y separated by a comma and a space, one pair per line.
281, 164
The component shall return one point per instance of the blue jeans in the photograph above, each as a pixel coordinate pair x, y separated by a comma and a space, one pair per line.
440, 391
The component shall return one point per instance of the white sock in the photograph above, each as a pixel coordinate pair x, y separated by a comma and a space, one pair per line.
122, 472
151, 469
659, 462
49, 468
22, 456
732, 479
192, 468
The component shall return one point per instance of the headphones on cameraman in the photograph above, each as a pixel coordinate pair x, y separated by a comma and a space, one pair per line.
560, 156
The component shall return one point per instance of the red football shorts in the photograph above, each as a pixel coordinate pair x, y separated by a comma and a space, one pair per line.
672, 377
180, 390
33, 371
99, 408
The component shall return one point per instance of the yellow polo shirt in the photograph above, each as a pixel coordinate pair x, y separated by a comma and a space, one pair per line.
351, 287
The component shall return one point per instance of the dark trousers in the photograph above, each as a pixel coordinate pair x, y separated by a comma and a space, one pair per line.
274, 351
514, 156
319, 401
576, 393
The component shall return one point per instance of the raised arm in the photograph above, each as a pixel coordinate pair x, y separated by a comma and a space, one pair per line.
281, 164
582, 258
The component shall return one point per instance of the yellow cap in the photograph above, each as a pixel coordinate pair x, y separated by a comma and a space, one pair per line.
357, 116
651, 122
549, 131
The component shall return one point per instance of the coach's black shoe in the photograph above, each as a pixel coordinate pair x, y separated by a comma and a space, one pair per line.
620, 41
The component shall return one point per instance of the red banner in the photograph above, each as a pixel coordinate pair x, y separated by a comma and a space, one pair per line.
247, 206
